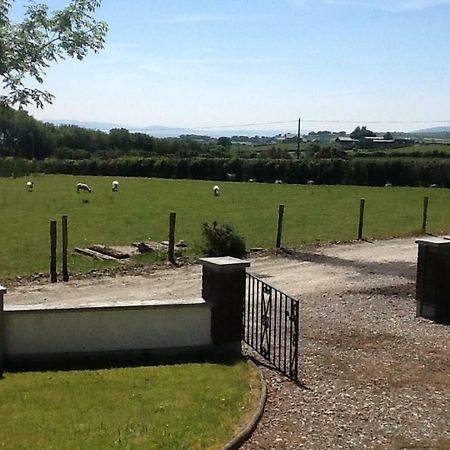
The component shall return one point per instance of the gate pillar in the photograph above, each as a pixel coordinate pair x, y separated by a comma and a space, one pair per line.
223, 285
2, 331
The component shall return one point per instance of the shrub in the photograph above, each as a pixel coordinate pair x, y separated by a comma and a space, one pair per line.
222, 240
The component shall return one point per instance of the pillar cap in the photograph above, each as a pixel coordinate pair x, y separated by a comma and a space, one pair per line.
434, 241
224, 262
2, 289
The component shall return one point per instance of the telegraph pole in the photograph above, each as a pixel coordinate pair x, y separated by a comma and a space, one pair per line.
298, 138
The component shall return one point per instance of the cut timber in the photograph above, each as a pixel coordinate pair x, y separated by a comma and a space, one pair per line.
94, 254
114, 253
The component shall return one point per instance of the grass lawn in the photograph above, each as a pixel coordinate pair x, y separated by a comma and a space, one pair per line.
140, 210
191, 406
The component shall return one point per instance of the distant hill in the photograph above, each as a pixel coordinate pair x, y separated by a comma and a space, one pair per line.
162, 131
433, 130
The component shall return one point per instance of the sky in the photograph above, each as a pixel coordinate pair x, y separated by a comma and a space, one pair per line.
207, 63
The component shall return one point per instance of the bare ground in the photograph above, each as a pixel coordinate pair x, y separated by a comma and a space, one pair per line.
373, 375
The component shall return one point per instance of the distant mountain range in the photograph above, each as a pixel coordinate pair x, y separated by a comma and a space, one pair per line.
161, 131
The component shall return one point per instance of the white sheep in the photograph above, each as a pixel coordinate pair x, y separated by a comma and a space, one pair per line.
83, 187
278, 182
216, 190
30, 186
115, 186
388, 184
310, 182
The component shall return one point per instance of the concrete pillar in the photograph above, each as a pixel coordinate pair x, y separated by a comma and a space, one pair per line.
223, 285
433, 279
2, 337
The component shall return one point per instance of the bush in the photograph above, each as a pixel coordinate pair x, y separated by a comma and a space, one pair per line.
222, 241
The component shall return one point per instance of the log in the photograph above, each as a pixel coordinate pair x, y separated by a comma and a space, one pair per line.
114, 253
94, 254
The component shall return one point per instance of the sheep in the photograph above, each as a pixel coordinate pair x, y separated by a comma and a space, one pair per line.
310, 182
433, 185
30, 186
83, 187
230, 176
115, 186
216, 190
278, 182
388, 184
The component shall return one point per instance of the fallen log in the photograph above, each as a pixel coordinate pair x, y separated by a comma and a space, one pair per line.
93, 254
113, 252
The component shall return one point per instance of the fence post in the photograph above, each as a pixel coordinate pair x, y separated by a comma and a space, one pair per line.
2, 332
53, 276
65, 270
280, 225
223, 286
361, 218
425, 215
172, 221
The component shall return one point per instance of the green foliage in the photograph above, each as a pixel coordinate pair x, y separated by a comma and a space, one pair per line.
28, 48
222, 240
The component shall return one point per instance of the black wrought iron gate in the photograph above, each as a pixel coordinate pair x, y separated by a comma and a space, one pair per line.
271, 325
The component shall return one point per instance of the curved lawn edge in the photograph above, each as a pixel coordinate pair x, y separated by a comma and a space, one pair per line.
247, 430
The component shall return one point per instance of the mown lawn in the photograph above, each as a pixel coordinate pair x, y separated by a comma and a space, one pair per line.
191, 406
140, 210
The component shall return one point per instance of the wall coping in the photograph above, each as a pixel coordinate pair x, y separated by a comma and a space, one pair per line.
2, 289
137, 304
434, 241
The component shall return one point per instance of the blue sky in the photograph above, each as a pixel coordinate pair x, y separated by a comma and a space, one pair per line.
192, 63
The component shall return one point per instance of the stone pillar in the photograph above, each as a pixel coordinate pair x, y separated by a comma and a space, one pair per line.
433, 279
2, 337
223, 285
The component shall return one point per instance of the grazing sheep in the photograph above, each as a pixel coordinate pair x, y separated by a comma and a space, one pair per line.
115, 186
251, 180
30, 186
83, 187
216, 190
388, 184
278, 182
433, 185
230, 176
310, 182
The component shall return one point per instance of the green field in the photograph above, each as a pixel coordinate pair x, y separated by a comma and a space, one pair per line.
140, 210
197, 406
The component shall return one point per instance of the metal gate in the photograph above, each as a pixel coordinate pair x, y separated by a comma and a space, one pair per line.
271, 325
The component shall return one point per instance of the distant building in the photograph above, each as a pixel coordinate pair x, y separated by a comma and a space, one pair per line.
346, 142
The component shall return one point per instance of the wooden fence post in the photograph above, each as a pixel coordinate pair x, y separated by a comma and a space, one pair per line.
53, 276
361, 218
65, 235
425, 215
280, 225
172, 221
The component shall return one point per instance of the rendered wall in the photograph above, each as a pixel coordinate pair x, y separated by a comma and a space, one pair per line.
107, 329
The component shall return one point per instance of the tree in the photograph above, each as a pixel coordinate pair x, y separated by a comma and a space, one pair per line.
224, 142
29, 47
361, 133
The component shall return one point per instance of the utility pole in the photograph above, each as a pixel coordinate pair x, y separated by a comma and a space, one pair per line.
298, 138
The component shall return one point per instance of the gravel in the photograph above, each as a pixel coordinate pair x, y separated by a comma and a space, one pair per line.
372, 376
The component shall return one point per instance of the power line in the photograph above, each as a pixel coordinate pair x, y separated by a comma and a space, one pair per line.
285, 122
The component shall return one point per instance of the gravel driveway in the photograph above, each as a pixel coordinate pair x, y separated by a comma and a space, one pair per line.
372, 374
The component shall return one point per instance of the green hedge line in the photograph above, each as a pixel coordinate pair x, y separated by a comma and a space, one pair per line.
374, 172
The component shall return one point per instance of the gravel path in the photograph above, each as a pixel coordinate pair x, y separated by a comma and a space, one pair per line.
373, 375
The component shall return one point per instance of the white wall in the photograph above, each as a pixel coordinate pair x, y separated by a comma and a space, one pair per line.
152, 326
